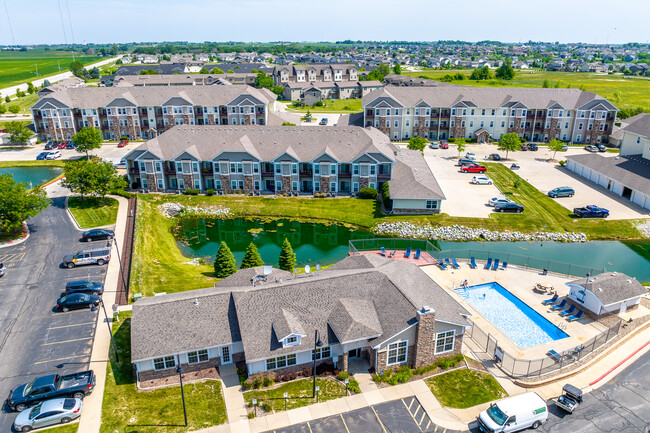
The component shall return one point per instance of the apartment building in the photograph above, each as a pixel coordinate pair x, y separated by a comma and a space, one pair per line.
315, 73
181, 80
284, 160
144, 112
486, 113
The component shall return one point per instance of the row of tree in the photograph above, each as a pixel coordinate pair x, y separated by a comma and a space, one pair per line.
225, 265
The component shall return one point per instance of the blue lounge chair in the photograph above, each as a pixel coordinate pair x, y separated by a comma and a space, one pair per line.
496, 265
576, 316
489, 263
551, 301
417, 254
569, 311
442, 264
383, 251
455, 263
407, 254
393, 254
447, 262
559, 306
576, 351
554, 355
472, 263
504, 265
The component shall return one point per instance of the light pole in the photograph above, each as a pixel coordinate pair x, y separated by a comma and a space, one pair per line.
179, 370
317, 343
101, 301
119, 259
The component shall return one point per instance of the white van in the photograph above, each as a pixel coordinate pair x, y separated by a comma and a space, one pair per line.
514, 414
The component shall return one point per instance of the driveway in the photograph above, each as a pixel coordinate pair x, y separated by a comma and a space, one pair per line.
35, 340
108, 151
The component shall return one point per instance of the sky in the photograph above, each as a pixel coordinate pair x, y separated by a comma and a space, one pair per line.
106, 21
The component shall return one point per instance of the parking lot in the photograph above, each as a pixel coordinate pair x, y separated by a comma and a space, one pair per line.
36, 339
108, 151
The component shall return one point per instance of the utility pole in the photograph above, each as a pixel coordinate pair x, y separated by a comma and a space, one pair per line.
59, 62
36, 66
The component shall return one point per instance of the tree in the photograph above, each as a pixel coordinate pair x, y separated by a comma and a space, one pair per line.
79, 177
417, 143
397, 69
148, 72
106, 179
252, 257
556, 146
17, 203
88, 138
510, 142
217, 71
94, 73
76, 68
19, 93
278, 90
287, 259
224, 264
14, 109
7, 98
546, 84
18, 132
264, 81
481, 73
460, 145
30, 88
506, 71
3, 109
203, 71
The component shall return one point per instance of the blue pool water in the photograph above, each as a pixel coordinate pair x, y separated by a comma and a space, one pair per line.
523, 325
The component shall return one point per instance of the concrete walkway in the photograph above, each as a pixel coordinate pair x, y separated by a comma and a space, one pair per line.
234, 399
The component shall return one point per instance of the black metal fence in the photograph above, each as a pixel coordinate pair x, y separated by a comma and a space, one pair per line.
390, 244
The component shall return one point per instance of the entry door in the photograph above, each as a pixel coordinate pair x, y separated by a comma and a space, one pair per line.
354, 353
225, 355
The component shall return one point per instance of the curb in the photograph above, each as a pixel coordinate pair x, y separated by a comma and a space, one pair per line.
25, 236
74, 220
619, 364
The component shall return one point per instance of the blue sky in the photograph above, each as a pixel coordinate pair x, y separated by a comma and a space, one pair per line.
100, 21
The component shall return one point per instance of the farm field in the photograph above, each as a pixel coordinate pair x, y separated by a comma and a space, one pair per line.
17, 67
620, 91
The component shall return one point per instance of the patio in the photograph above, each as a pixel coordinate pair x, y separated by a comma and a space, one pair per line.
424, 260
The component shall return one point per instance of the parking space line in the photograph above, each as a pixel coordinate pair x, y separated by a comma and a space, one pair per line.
61, 359
422, 419
411, 403
344, 423
428, 425
414, 414
66, 341
379, 419
308, 426
68, 326
407, 409
436, 429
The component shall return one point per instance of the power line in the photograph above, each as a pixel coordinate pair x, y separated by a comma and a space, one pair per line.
65, 37
67, 6
9, 21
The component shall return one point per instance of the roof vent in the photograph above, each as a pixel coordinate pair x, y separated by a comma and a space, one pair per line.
614, 274
599, 289
629, 281
196, 301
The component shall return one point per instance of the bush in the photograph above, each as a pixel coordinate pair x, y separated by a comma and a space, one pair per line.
368, 193
209, 192
251, 415
192, 191
318, 104
563, 162
417, 143
266, 407
124, 137
353, 386
343, 375
385, 195
267, 381
259, 380
320, 195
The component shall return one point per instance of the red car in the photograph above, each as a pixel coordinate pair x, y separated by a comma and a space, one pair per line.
444, 144
473, 168
122, 143
62, 145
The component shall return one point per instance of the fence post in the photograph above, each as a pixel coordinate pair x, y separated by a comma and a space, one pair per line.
607, 337
593, 346
528, 370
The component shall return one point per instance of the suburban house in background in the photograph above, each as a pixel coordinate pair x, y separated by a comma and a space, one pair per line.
407, 81
486, 113
628, 174
388, 312
147, 111
607, 293
284, 160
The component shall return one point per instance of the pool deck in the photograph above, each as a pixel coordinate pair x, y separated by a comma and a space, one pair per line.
520, 283
424, 260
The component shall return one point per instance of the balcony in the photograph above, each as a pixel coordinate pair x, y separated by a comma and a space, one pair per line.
206, 171
383, 176
267, 173
134, 170
306, 173
168, 170
345, 175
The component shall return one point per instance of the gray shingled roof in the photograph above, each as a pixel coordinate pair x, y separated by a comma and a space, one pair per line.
412, 178
632, 171
612, 287
353, 319
639, 124
244, 276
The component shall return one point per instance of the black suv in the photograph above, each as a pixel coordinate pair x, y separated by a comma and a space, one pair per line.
532, 146
97, 234
509, 207
51, 145
84, 286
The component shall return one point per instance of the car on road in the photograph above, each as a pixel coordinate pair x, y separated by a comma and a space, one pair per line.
561, 191
51, 145
70, 145
62, 145
497, 200
84, 286
464, 161
565, 148
97, 234
494, 157
444, 144
75, 301
524, 147
434, 145
601, 148
514, 414
92, 256
481, 180
533, 147
323, 121
42, 156
509, 207
77, 385
3, 270
121, 164
53, 155
473, 168
470, 155
49, 412
591, 211
122, 143
591, 148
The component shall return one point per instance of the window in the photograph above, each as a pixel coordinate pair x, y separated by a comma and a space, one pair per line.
566, 124
233, 184
432, 204
355, 187
332, 168
373, 169
160, 184
217, 184
142, 167
163, 363
397, 353
197, 184
195, 167
294, 186
471, 112
388, 112
316, 186
372, 185
445, 341
355, 169
590, 127
278, 186
396, 123
638, 140
316, 168
333, 186
503, 123
580, 126
197, 356
407, 123
158, 166
491, 123
294, 168
256, 167
280, 362
257, 185
278, 168
483, 112
291, 340
453, 111
320, 353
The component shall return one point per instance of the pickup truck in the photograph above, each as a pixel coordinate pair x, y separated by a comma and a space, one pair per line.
473, 168
77, 385
591, 211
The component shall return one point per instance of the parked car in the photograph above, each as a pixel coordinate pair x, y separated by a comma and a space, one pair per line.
565, 148
49, 412
51, 145
498, 200
122, 143
464, 161
53, 154
591, 211
591, 148
524, 147
533, 147
62, 145
473, 168
509, 207
444, 144
92, 256
434, 145
41, 156
561, 191
3, 270
481, 180
470, 155
77, 385
97, 234
121, 164
601, 148
70, 145
323, 121
75, 301
494, 157
514, 414
84, 286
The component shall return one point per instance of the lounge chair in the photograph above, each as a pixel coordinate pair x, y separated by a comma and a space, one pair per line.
407, 254
504, 265
417, 254
488, 264
569, 311
472, 263
576, 316
496, 265
442, 264
550, 301
554, 355
455, 263
559, 306
393, 254
383, 251
576, 351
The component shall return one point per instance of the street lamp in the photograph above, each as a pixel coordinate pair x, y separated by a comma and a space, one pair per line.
119, 260
179, 370
317, 343
101, 301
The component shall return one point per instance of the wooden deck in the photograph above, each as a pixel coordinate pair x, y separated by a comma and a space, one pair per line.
424, 260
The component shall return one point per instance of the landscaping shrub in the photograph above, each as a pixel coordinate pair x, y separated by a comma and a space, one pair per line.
124, 137
319, 104
404, 373
353, 386
266, 407
343, 375
563, 162
251, 415
385, 195
209, 192
259, 380
123, 193
267, 381
192, 191
368, 193
320, 195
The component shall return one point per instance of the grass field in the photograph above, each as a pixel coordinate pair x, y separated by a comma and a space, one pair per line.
91, 212
464, 388
329, 390
51, 163
332, 105
17, 67
622, 92
23, 103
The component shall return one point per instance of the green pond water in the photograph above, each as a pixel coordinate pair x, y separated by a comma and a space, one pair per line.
35, 175
323, 244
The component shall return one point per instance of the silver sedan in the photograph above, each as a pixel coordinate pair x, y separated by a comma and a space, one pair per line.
47, 413
498, 200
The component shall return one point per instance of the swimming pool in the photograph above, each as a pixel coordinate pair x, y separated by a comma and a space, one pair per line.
523, 325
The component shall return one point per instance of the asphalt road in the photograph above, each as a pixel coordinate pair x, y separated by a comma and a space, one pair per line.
34, 339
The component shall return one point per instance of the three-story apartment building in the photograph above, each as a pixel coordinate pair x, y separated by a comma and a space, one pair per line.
147, 111
486, 113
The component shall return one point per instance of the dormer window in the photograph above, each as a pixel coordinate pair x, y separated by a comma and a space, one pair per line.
293, 340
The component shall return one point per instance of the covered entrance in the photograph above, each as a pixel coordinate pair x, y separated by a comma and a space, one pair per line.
627, 193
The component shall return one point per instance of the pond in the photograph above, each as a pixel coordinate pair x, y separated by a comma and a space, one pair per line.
324, 244
35, 175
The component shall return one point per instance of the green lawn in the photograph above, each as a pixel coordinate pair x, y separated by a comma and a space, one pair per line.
42, 163
68, 428
330, 389
622, 92
23, 103
127, 410
332, 105
17, 67
465, 388
91, 212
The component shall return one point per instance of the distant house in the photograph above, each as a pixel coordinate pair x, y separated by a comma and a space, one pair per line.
606, 293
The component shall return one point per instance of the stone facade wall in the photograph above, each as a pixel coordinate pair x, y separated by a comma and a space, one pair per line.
325, 184
595, 132
425, 340
225, 183
364, 182
188, 181
552, 131
517, 125
286, 184
151, 181
458, 129
417, 211
248, 183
